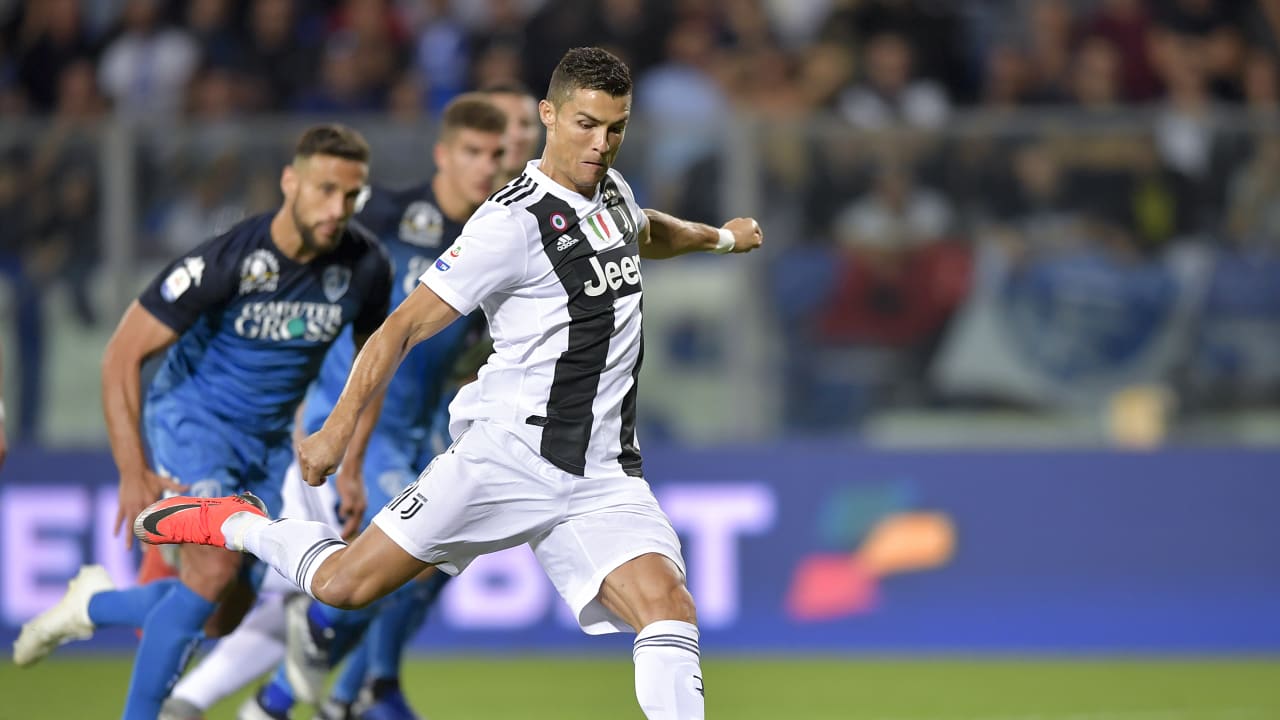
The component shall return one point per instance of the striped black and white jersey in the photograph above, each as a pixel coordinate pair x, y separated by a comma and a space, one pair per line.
558, 278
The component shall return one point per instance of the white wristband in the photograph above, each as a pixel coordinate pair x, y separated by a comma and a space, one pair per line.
1, 414
726, 243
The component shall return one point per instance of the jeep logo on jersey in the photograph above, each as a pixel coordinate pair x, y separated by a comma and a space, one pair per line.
336, 280
617, 270
260, 272
422, 224
288, 320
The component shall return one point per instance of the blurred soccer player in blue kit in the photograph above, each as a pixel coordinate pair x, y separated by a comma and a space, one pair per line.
417, 226
247, 318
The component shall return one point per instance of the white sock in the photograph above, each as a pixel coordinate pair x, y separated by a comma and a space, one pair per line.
668, 671
238, 659
295, 548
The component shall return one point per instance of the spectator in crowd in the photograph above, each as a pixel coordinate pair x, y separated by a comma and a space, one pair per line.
1185, 137
207, 209
47, 37
343, 88
825, 68
1207, 30
441, 49
64, 216
1127, 25
1048, 31
932, 29
495, 64
1035, 211
212, 26
684, 102
889, 95
146, 68
380, 41
280, 58
897, 215
1007, 73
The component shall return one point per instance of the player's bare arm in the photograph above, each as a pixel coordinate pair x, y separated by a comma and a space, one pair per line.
668, 236
139, 336
350, 478
420, 316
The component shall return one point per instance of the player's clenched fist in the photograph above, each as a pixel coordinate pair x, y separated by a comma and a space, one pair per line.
319, 455
747, 235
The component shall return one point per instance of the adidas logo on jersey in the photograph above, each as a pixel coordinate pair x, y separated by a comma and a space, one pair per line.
565, 242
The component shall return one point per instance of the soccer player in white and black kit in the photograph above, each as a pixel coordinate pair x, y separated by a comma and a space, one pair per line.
546, 452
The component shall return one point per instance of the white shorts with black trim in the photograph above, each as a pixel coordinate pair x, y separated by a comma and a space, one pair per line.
490, 491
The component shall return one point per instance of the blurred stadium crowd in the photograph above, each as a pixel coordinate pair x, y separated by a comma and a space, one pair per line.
1036, 205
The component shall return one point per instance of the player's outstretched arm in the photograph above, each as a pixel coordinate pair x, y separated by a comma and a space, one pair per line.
669, 236
139, 336
420, 316
350, 476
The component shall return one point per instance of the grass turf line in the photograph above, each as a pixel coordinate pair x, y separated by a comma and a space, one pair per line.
533, 688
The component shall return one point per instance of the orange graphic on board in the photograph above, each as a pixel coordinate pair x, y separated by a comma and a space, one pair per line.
833, 585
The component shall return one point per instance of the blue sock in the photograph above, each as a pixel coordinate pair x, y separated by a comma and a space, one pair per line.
128, 607
170, 632
276, 697
343, 628
347, 687
397, 623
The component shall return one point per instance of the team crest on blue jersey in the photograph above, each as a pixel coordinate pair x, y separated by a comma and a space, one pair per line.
422, 224
336, 280
260, 272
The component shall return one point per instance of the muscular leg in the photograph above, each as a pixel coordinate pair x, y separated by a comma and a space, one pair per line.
647, 589
344, 576
649, 594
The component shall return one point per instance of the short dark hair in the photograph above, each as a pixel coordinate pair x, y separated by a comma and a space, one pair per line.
588, 68
332, 139
472, 111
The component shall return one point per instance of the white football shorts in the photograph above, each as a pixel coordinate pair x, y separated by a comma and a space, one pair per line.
489, 491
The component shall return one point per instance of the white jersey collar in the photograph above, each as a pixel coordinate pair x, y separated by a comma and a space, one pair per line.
570, 196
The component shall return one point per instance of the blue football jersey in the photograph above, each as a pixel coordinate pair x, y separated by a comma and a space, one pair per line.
255, 325
416, 234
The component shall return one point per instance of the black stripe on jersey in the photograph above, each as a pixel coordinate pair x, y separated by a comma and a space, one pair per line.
510, 188
629, 458
567, 431
517, 198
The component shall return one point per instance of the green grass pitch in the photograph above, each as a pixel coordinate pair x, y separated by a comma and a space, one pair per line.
537, 687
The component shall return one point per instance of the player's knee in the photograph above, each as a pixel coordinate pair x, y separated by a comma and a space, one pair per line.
668, 600
679, 605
